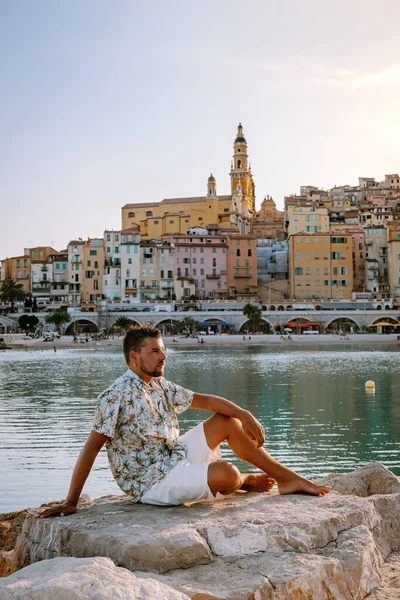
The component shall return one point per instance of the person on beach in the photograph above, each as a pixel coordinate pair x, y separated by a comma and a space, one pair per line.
136, 417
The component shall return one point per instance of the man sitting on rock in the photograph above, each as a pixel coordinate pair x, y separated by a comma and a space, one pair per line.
136, 417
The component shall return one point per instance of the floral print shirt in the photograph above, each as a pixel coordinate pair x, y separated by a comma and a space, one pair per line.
141, 423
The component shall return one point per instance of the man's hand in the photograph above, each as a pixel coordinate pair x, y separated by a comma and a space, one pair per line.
63, 509
253, 428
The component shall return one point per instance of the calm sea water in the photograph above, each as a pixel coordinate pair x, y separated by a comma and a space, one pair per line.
317, 414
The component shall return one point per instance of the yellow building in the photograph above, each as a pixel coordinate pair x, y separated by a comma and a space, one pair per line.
321, 266
307, 219
393, 242
177, 215
92, 273
17, 268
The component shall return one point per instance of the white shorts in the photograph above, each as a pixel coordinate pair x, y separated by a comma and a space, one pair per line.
187, 482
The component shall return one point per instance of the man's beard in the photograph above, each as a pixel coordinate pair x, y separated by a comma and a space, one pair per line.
158, 371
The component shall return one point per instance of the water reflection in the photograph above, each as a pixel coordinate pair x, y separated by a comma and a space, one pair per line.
317, 414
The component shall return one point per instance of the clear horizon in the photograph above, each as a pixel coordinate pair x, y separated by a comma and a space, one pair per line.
105, 104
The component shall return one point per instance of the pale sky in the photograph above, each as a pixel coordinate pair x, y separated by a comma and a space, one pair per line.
107, 102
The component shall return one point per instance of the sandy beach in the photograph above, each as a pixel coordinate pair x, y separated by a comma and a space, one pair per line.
299, 342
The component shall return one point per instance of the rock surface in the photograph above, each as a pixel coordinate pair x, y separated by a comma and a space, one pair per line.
80, 579
243, 547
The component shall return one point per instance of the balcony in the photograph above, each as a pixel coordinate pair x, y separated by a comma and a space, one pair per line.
76, 261
187, 278
149, 287
240, 273
43, 268
213, 276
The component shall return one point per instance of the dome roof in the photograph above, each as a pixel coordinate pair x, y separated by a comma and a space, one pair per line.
240, 140
211, 178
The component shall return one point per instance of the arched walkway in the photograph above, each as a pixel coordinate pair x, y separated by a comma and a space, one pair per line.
343, 324
81, 326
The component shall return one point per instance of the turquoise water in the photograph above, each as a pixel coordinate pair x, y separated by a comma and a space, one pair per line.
316, 412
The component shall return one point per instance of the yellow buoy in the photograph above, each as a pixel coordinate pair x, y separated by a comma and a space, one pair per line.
370, 385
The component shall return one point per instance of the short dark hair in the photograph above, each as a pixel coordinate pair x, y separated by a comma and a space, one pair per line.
135, 337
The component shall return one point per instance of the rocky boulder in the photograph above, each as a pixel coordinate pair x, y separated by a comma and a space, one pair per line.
80, 579
241, 547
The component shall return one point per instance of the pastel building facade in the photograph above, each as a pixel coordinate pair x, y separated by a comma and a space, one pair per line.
321, 266
393, 242
242, 265
201, 260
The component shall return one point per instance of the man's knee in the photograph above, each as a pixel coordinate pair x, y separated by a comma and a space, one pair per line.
223, 477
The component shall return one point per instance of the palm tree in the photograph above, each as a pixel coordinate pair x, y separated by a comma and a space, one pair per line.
253, 314
122, 323
187, 325
58, 318
12, 292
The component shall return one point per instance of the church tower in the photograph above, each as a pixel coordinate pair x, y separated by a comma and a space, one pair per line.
241, 172
211, 187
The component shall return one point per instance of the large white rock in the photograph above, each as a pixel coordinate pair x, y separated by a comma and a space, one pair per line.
81, 579
243, 547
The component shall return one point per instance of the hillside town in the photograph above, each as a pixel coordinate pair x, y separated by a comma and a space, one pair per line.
340, 245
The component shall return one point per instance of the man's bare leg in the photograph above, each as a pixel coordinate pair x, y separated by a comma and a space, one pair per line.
219, 428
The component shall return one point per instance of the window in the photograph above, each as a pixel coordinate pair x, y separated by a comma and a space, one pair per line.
156, 222
89, 263
149, 213
130, 215
202, 261
317, 270
93, 252
308, 271
298, 271
108, 249
249, 252
171, 222
201, 271
307, 256
238, 252
298, 254
317, 256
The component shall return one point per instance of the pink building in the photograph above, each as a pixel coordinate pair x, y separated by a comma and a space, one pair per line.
203, 259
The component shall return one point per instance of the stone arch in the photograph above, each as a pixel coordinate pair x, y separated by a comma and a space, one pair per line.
7, 325
78, 326
388, 321
344, 323
265, 326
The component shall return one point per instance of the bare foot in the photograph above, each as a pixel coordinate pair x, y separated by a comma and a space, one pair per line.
300, 485
257, 482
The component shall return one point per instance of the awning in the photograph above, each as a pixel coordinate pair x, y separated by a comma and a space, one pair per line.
384, 324
223, 323
302, 324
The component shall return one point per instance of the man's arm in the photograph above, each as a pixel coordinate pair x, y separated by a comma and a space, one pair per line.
83, 466
251, 426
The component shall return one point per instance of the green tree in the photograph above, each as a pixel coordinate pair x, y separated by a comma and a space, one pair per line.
187, 325
58, 318
28, 322
12, 292
253, 314
123, 323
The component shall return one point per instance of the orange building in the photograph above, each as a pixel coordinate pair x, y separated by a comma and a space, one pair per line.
242, 265
321, 266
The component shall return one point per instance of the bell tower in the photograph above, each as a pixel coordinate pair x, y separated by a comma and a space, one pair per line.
211, 187
241, 172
